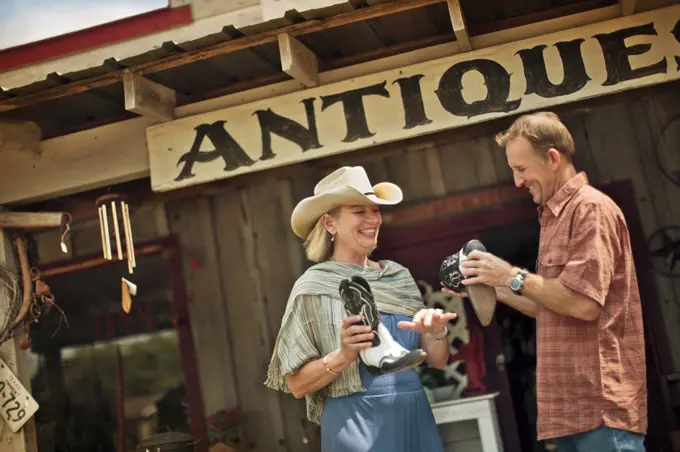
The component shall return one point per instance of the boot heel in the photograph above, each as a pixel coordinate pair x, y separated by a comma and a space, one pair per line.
410, 360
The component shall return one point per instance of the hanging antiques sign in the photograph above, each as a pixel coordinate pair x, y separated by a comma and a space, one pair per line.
537, 73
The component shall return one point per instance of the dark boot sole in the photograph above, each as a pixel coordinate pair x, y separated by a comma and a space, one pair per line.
410, 360
483, 300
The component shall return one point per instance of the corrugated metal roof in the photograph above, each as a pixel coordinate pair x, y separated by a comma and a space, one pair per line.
260, 64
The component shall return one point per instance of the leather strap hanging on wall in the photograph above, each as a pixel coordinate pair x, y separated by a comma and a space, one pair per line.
663, 144
664, 249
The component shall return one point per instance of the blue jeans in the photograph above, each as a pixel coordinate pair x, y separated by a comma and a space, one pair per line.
602, 439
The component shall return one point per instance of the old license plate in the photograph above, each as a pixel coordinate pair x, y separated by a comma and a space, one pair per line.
16, 404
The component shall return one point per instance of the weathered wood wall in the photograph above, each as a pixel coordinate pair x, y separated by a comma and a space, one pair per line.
241, 258
248, 257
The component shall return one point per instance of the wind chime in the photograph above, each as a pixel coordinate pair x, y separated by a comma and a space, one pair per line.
114, 221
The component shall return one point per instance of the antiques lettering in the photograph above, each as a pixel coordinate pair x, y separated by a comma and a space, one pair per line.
425, 98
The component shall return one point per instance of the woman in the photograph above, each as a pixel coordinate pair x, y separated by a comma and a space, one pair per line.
318, 352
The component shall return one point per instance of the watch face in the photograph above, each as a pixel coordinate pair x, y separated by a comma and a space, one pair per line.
514, 284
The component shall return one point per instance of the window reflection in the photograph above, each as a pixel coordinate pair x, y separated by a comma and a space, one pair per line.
78, 369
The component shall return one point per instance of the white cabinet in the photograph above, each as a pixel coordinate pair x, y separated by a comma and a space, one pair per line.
481, 409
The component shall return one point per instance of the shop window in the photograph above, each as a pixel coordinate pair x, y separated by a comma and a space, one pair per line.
108, 374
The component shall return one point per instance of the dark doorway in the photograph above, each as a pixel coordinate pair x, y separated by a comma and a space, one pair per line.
518, 243
422, 247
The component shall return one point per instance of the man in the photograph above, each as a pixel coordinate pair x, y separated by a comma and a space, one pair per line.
591, 381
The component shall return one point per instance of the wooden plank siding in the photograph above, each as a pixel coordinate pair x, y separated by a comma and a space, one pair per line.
241, 257
193, 224
260, 258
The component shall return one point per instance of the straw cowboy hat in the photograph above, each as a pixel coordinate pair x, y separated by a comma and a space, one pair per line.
348, 185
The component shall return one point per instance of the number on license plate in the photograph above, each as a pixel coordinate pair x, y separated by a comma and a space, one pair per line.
16, 404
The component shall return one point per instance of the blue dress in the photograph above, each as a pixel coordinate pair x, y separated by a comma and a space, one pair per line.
393, 415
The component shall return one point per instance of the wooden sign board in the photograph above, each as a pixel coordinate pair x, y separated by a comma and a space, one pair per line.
537, 73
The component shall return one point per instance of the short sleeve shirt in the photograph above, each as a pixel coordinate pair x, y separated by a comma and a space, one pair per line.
589, 374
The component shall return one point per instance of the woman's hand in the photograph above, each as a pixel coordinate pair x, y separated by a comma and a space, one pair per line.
432, 321
319, 373
354, 338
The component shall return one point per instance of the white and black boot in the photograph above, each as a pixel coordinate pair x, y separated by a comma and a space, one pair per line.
482, 297
386, 355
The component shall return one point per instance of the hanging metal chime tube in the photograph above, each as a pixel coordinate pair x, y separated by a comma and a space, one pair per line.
114, 218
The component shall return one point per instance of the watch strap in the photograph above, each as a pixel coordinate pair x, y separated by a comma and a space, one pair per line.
521, 275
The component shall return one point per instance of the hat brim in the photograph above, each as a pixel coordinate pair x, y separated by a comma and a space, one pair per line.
309, 210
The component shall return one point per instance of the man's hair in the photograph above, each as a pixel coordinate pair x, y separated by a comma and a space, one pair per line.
543, 130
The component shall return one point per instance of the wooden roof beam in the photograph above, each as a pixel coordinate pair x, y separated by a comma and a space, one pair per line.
459, 27
298, 61
543, 27
222, 48
31, 220
627, 7
19, 136
148, 98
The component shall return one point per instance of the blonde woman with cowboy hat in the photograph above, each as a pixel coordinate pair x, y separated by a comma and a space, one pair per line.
355, 329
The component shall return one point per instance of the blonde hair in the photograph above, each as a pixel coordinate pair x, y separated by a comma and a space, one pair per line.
544, 130
318, 245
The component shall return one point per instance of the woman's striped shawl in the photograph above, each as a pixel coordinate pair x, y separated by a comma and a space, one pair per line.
312, 321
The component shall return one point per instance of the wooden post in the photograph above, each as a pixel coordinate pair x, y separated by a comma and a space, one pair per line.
298, 61
20, 136
148, 98
31, 220
25, 439
459, 26
627, 7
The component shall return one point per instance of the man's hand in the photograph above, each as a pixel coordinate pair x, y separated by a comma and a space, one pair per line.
485, 268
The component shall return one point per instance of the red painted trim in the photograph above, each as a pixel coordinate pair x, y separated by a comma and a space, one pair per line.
192, 385
79, 41
468, 222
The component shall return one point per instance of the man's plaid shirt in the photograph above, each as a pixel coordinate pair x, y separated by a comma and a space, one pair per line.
589, 374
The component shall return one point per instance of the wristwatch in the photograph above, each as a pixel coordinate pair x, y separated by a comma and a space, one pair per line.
517, 281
